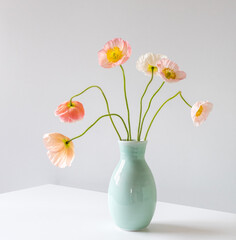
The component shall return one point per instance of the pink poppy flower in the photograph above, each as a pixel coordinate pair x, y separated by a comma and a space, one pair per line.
114, 53
169, 71
200, 111
68, 113
60, 153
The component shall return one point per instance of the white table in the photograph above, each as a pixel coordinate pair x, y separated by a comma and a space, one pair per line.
56, 213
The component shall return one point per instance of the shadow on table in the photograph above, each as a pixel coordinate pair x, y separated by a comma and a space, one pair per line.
162, 228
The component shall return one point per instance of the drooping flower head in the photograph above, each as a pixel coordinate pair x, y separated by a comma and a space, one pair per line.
115, 52
148, 61
169, 71
200, 111
60, 152
70, 113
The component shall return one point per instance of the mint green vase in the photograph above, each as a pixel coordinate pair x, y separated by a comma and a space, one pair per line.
132, 189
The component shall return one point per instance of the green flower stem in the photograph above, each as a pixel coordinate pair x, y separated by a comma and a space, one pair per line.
106, 115
108, 109
185, 100
149, 105
141, 103
159, 111
126, 100
178, 93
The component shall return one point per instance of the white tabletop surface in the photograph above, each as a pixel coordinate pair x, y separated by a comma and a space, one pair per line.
56, 212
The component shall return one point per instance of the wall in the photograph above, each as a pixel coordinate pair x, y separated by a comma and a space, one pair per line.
48, 52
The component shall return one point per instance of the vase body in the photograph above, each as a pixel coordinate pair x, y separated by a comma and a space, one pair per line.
132, 189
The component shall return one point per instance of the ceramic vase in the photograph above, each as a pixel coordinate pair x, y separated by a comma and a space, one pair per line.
132, 189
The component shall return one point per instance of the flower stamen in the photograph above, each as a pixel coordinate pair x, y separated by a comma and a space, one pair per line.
169, 73
152, 68
70, 105
66, 142
199, 111
114, 54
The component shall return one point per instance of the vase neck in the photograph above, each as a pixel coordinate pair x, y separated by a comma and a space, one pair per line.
132, 150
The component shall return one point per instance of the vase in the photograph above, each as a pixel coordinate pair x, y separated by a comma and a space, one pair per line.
132, 188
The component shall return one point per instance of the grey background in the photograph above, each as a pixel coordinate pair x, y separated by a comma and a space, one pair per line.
48, 52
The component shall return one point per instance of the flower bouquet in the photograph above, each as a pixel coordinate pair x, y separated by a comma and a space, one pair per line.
132, 192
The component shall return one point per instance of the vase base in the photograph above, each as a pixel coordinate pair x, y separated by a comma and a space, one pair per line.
134, 229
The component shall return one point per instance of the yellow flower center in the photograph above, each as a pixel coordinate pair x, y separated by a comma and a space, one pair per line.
70, 106
150, 68
114, 54
169, 73
67, 144
199, 111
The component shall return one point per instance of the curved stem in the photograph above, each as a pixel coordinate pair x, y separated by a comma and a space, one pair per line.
185, 100
149, 105
108, 109
141, 103
106, 115
159, 111
126, 100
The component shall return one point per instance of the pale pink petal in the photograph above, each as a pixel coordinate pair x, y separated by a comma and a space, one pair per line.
123, 46
60, 153
118, 42
126, 52
173, 66
167, 63
70, 156
206, 108
102, 59
109, 45
197, 122
57, 158
180, 75
169, 80
53, 141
